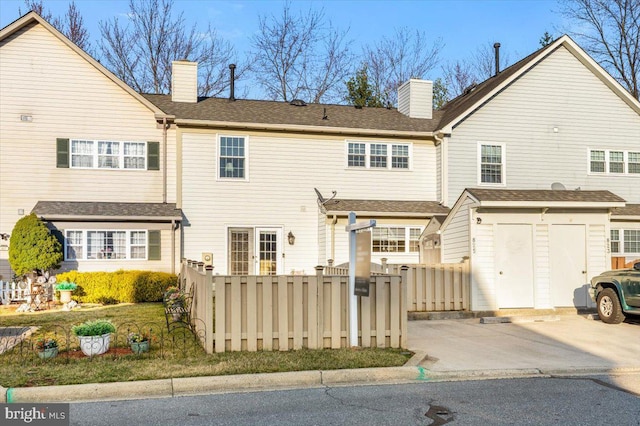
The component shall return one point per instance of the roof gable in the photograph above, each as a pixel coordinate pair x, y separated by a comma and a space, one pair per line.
464, 105
32, 18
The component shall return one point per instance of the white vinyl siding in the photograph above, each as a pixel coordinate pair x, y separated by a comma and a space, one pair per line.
455, 238
43, 77
284, 170
379, 156
558, 92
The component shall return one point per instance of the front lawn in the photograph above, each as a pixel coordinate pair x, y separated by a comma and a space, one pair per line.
172, 354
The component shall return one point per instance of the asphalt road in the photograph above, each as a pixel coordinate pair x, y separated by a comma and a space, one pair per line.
592, 400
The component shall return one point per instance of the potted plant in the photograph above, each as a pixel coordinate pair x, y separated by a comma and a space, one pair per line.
47, 348
139, 342
94, 336
66, 288
175, 303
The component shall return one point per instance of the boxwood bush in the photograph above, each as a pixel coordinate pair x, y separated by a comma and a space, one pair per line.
120, 286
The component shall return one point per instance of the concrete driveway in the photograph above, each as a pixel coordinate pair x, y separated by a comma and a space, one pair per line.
567, 343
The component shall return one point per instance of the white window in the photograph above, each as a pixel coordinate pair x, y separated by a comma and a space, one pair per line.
400, 157
634, 162
598, 162
357, 156
135, 156
87, 154
232, 157
380, 156
615, 241
491, 168
105, 245
625, 242
75, 246
82, 154
604, 161
632, 241
395, 239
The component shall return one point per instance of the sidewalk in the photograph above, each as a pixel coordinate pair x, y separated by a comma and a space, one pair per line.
463, 349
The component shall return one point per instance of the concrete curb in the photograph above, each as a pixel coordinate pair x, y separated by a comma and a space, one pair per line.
245, 382
92, 392
167, 388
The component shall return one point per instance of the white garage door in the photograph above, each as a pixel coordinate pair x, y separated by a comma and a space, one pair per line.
568, 253
514, 265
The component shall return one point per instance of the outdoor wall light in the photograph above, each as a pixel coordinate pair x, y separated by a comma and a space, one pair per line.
479, 221
291, 238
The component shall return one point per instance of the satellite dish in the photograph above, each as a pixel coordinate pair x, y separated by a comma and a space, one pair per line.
557, 186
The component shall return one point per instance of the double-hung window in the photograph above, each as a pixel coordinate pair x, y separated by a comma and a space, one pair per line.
492, 164
381, 156
618, 162
625, 242
107, 244
232, 157
88, 154
395, 239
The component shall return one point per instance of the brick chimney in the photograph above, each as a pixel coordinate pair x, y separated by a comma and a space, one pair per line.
184, 81
415, 98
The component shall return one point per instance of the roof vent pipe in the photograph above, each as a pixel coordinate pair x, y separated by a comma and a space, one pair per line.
496, 47
232, 94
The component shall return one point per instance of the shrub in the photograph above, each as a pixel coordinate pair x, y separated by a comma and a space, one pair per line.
32, 248
120, 286
94, 328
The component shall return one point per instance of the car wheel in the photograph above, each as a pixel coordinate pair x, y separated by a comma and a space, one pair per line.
609, 309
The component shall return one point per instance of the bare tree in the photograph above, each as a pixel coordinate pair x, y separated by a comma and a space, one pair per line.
484, 61
72, 25
140, 50
396, 59
609, 30
459, 76
300, 56
463, 74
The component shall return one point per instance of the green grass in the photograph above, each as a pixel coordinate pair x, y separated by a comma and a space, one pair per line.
21, 366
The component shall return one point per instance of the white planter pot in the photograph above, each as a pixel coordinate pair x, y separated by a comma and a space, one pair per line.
65, 296
95, 345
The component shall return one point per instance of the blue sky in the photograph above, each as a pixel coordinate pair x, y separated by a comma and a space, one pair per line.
463, 25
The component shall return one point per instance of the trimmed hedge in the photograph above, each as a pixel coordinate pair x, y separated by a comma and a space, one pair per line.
120, 286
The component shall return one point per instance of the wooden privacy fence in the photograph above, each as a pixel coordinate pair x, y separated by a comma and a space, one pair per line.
438, 287
284, 312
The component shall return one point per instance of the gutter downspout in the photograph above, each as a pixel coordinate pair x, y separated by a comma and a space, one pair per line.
174, 227
333, 236
439, 137
164, 160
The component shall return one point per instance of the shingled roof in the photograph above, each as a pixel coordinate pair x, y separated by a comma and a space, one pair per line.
57, 210
628, 210
542, 195
322, 116
381, 207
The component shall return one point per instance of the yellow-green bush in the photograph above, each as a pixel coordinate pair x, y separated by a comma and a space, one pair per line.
120, 286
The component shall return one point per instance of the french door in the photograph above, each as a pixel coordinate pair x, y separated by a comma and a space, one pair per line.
255, 251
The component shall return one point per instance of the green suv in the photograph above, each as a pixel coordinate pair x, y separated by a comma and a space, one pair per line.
617, 293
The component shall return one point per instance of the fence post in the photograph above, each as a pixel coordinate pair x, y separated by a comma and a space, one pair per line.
403, 306
207, 294
320, 308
